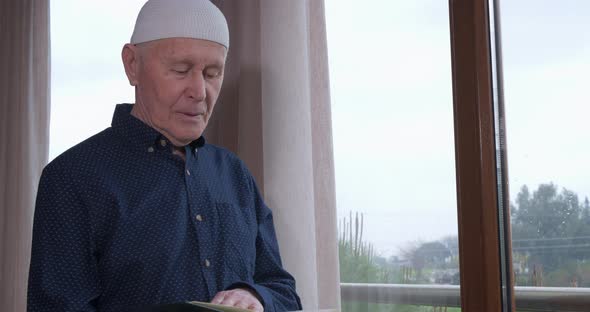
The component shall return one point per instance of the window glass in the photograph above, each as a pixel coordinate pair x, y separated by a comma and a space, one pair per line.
392, 114
546, 55
87, 75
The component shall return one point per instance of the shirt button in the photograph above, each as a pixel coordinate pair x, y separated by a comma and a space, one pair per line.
207, 263
199, 218
150, 149
163, 142
188, 172
196, 150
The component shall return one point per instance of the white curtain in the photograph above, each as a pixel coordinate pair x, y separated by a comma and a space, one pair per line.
274, 112
24, 137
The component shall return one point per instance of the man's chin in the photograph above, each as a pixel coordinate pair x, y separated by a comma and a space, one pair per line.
185, 134
190, 138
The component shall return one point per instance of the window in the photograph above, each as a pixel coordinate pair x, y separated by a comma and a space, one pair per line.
546, 67
544, 113
392, 113
87, 76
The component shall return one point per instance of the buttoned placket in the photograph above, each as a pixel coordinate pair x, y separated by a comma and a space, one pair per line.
199, 217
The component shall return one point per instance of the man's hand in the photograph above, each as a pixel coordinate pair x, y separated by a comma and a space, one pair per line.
239, 297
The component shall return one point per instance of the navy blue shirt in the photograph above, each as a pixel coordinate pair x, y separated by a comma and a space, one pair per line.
122, 222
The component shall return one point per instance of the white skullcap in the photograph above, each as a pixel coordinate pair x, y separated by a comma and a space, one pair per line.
198, 19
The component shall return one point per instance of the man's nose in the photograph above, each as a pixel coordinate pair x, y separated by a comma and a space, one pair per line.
197, 86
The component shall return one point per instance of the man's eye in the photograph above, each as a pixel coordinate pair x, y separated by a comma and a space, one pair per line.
212, 74
180, 71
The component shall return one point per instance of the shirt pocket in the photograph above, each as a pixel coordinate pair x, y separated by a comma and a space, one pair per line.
237, 230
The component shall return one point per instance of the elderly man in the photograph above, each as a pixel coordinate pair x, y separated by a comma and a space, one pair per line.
145, 212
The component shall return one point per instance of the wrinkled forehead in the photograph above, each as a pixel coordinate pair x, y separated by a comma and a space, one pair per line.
185, 50
190, 19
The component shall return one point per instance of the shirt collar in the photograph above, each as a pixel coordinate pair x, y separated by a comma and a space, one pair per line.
138, 133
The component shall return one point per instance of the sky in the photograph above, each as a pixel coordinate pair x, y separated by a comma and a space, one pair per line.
87, 76
391, 92
390, 72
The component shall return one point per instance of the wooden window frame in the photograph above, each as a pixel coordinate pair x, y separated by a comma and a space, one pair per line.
475, 157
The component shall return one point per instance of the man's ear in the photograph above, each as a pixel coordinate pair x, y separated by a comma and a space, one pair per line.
130, 56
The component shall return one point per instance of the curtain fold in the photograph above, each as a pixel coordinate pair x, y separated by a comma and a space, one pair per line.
274, 112
24, 133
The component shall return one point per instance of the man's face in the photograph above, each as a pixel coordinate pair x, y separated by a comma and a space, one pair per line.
177, 83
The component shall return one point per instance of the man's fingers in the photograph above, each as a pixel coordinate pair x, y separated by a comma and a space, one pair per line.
218, 299
242, 304
256, 307
238, 298
230, 299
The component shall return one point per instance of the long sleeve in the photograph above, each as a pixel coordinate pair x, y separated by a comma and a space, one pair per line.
274, 285
63, 274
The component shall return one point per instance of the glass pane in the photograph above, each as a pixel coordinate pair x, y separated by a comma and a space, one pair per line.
501, 170
546, 56
87, 76
392, 113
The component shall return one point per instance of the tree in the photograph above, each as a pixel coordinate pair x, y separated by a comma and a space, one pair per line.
547, 213
359, 264
549, 228
432, 254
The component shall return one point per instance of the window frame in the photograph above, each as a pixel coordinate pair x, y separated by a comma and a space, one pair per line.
475, 157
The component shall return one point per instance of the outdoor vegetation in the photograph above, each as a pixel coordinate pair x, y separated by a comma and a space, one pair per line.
550, 244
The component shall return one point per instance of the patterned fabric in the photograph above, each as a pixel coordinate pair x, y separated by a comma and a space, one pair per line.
122, 222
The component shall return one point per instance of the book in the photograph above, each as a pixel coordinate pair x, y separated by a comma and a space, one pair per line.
218, 307
192, 306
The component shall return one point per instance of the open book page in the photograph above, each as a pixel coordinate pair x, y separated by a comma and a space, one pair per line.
192, 306
218, 307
